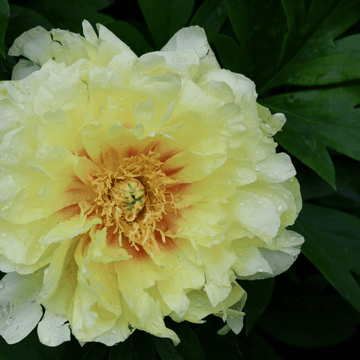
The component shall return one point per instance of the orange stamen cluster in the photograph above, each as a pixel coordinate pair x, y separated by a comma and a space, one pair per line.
132, 199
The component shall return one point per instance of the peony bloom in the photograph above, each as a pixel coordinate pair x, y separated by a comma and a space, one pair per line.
134, 188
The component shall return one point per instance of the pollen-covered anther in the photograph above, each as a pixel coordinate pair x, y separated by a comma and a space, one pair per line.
132, 199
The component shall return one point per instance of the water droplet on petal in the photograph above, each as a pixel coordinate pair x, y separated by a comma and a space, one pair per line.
46, 339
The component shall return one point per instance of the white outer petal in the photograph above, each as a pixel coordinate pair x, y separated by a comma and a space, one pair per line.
31, 44
276, 168
89, 33
193, 37
236, 323
52, 329
16, 320
239, 84
23, 69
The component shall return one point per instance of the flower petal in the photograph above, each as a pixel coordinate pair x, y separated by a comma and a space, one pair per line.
53, 329
19, 313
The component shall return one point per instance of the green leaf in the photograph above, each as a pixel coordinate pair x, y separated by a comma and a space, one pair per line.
347, 198
164, 18
305, 313
260, 27
189, 347
210, 16
69, 14
23, 19
256, 347
311, 184
228, 50
216, 346
310, 53
4, 19
332, 244
318, 119
258, 297
95, 351
130, 36
136, 347
165, 349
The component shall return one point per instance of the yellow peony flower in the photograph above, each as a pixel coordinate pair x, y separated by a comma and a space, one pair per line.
134, 188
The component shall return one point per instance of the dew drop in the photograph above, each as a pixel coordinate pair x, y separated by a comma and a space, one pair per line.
7, 322
260, 202
113, 331
279, 208
242, 204
260, 269
198, 305
46, 339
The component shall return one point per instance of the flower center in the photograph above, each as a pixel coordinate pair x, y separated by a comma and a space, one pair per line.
129, 196
132, 199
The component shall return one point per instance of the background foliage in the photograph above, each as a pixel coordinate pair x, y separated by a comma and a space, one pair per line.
304, 57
